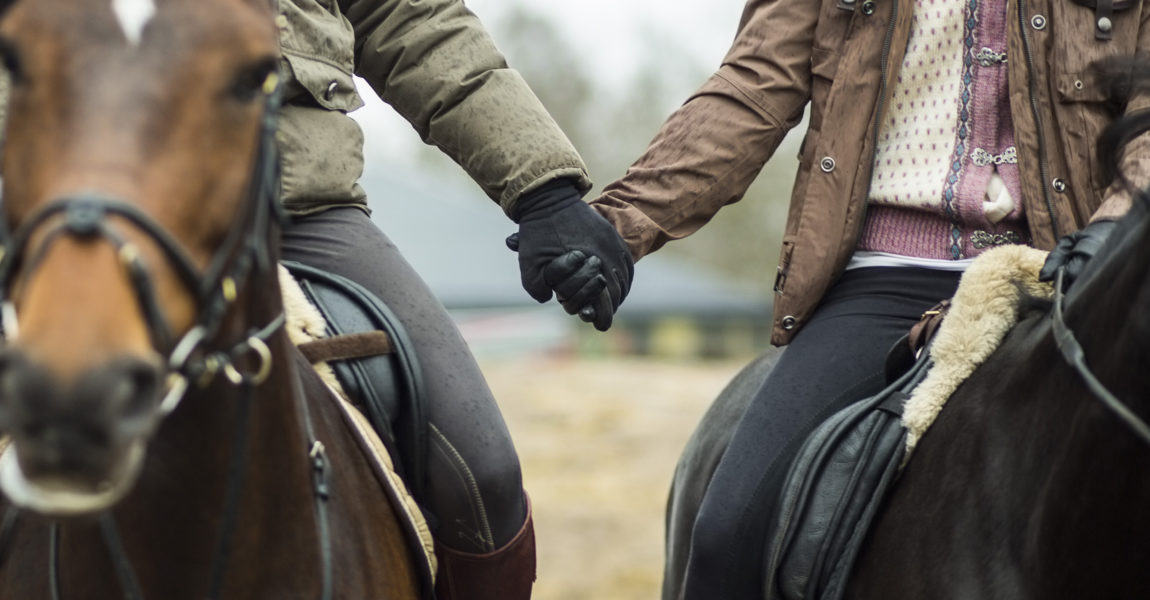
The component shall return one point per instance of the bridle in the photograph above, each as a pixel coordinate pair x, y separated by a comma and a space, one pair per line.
193, 359
1075, 356
244, 251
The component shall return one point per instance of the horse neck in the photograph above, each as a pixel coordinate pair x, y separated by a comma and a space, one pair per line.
1105, 309
201, 442
1092, 510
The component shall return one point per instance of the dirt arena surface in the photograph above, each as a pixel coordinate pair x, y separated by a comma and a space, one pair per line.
598, 439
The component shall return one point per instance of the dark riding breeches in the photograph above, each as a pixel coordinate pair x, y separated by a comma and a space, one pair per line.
836, 359
474, 483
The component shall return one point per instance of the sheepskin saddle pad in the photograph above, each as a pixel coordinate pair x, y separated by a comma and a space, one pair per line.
984, 308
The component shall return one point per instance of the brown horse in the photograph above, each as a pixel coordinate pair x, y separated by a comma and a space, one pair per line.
161, 444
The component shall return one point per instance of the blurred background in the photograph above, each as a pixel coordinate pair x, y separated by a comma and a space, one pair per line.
599, 419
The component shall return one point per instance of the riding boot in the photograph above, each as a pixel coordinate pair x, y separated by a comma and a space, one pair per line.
504, 574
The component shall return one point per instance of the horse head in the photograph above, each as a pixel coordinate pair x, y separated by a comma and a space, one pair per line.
133, 185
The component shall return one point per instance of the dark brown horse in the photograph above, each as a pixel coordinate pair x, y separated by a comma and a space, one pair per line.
139, 193
1033, 482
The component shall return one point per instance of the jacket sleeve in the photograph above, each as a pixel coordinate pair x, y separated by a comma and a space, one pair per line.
1135, 162
437, 66
709, 151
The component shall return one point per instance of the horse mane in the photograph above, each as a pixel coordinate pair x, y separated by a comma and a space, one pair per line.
1122, 78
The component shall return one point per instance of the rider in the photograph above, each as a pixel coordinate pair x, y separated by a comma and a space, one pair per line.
938, 129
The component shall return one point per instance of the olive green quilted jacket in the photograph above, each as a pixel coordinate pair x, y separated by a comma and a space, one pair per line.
435, 64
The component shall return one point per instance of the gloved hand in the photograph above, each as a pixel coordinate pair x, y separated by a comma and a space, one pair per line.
567, 248
1074, 250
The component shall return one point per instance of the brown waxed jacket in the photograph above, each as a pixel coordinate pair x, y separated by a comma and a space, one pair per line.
841, 57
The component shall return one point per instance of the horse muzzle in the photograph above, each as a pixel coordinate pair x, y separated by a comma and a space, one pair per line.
75, 448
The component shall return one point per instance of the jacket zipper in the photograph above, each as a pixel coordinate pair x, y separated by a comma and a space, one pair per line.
1043, 167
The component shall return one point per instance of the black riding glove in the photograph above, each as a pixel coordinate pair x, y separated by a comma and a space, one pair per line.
567, 248
1075, 250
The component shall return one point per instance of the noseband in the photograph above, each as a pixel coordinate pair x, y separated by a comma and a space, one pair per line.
1075, 356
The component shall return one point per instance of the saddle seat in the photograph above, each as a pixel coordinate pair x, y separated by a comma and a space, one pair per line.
846, 467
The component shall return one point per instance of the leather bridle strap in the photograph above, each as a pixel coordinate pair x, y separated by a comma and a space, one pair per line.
232, 494
321, 467
1075, 356
85, 217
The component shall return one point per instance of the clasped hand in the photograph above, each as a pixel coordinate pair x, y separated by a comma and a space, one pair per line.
567, 249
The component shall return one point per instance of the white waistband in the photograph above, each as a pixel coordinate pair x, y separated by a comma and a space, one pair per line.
863, 259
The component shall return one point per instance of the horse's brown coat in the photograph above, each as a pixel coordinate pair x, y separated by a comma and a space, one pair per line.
160, 126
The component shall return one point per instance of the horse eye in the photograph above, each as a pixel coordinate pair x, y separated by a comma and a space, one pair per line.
249, 82
10, 58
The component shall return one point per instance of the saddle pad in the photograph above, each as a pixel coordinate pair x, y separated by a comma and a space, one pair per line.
983, 310
304, 324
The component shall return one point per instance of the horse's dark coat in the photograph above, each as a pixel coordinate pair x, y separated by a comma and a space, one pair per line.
703, 451
1027, 486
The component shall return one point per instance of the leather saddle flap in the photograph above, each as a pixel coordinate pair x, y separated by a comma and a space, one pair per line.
833, 491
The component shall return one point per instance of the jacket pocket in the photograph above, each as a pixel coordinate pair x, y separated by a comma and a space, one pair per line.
1083, 107
318, 46
1076, 47
330, 86
1082, 113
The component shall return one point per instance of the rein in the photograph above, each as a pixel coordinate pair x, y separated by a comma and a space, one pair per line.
244, 251
1075, 356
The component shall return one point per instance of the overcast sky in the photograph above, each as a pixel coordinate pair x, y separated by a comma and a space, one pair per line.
609, 30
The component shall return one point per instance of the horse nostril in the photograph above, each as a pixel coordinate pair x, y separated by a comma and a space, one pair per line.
22, 386
121, 395
138, 392
145, 378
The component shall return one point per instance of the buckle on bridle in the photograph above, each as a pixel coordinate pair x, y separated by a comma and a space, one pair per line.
261, 373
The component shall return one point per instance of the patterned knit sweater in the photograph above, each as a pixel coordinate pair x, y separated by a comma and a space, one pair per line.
945, 183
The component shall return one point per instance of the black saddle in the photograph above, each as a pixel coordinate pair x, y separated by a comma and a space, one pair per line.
835, 487
373, 359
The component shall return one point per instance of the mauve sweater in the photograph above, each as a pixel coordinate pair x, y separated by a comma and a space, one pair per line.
945, 183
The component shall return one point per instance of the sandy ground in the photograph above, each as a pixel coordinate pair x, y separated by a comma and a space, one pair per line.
598, 440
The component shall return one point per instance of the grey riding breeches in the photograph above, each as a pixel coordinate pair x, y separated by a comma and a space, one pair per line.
474, 488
